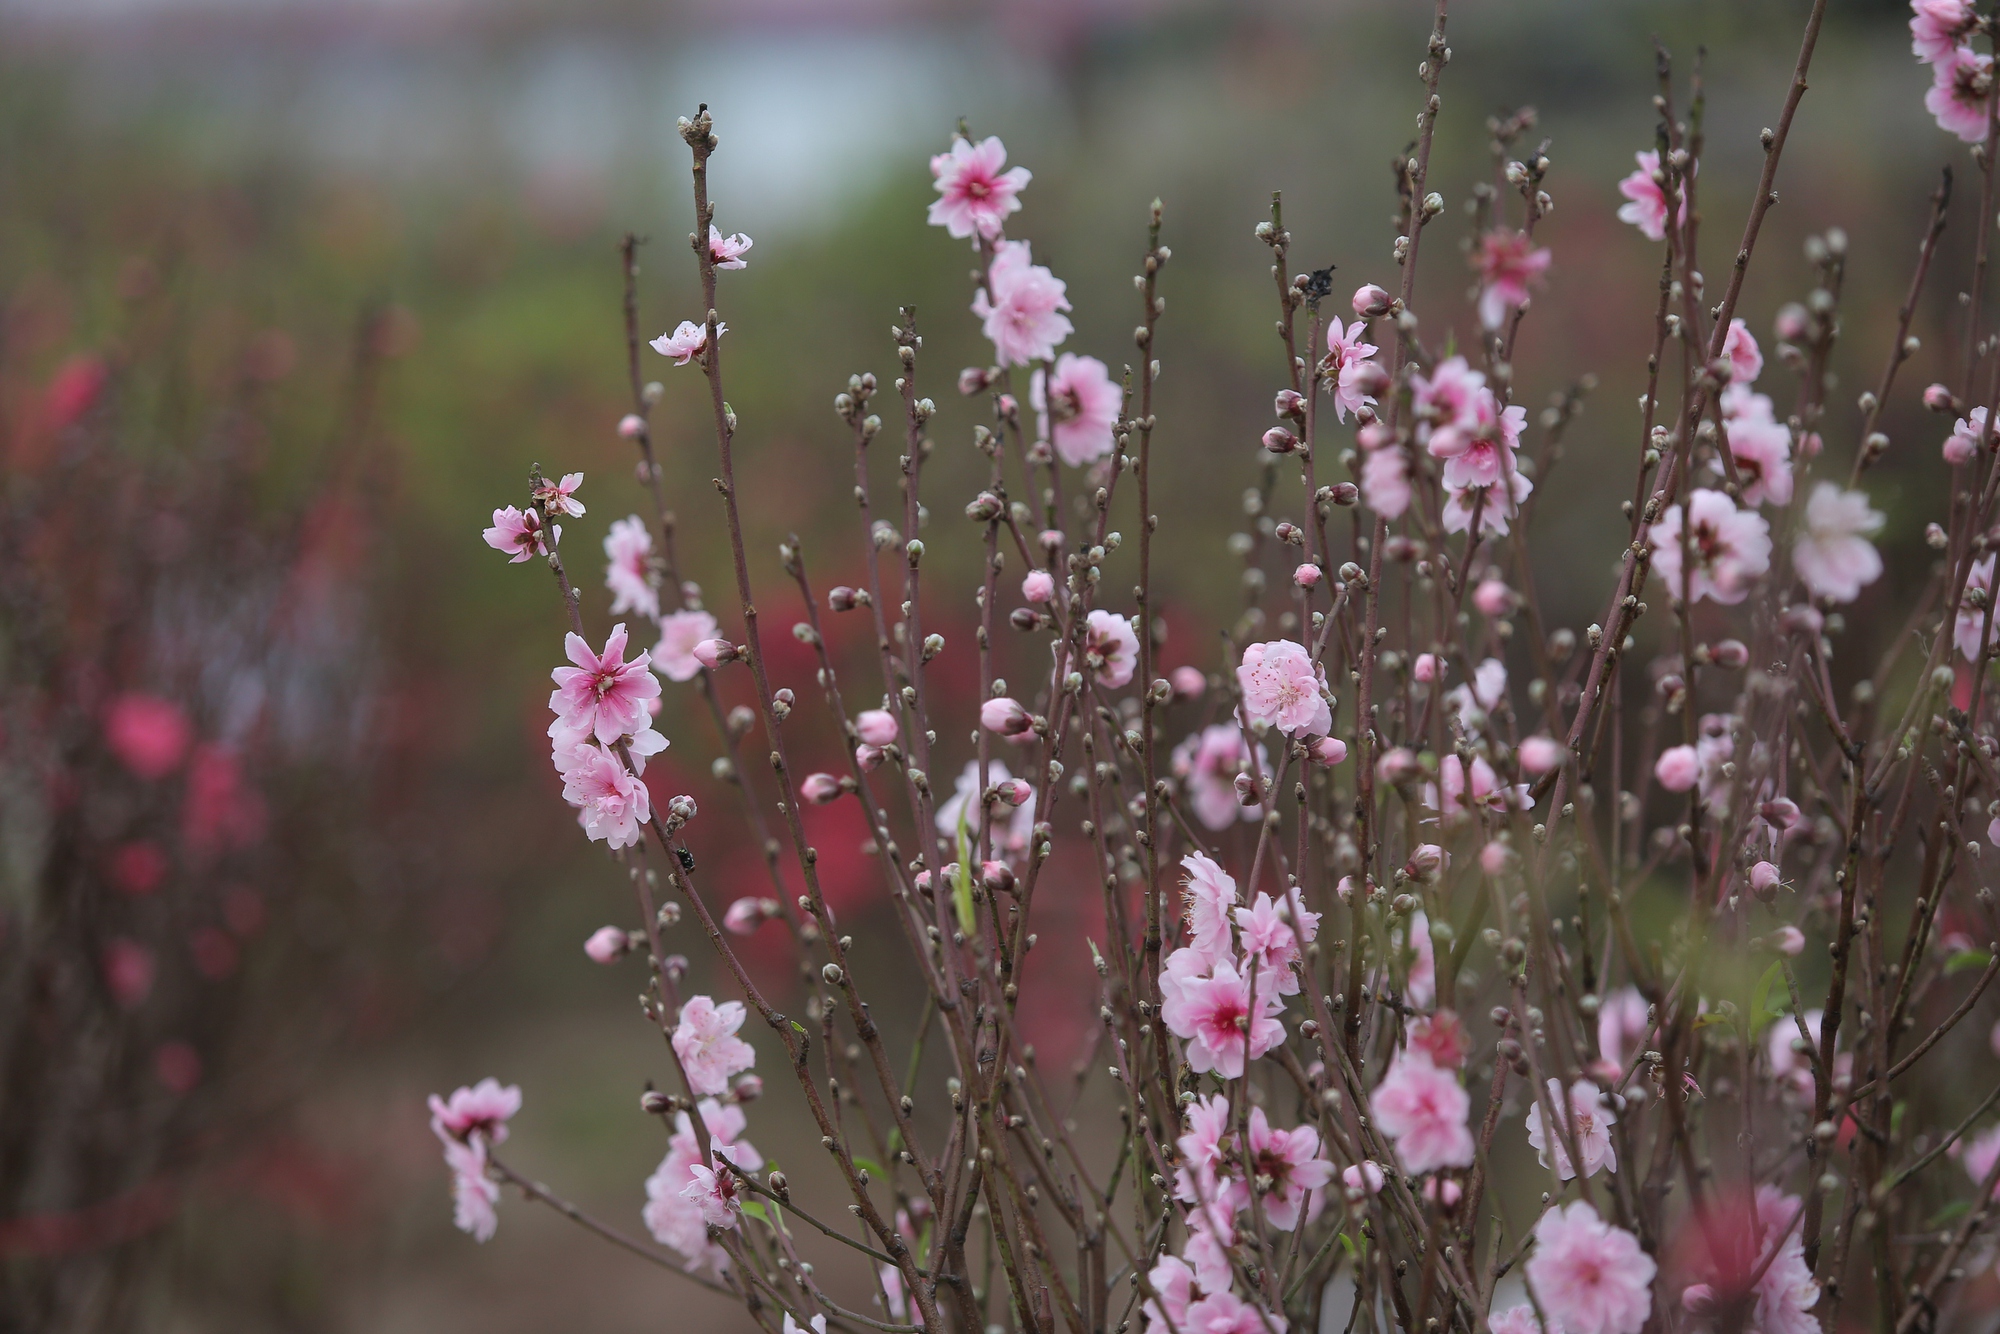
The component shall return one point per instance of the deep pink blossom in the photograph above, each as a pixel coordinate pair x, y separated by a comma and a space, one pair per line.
1423, 1110
483, 1109
1021, 307
1590, 1277
1345, 355
148, 734
1207, 764
559, 497
1507, 262
628, 573
1961, 86
1833, 556
680, 631
519, 533
1109, 639
975, 194
1281, 687
1937, 27
1590, 1122
727, 252
1201, 1146
1213, 1013
1731, 548
221, 809
1081, 404
705, 1040
1646, 206
686, 342
602, 696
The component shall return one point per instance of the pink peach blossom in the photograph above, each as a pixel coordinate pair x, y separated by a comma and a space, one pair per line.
1021, 307
1646, 208
1427, 668
129, 971
518, 532
1478, 447
1590, 1277
1281, 687
1677, 768
1519, 1320
1762, 452
746, 914
1385, 482
676, 1221
1188, 682
559, 497
1081, 405
680, 631
1966, 437
726, 252
819, 789
1290, 1160
1208, 763
713, 1190
1109, 639
1959, 92
602, 696
705, 1040
1226, 1313
1213, 1015
473, 1193
1507, 262
1365, 1176
1038, 586
628, 573
1005, 717
1731, 548
1442, 1038
1447, 396
1937, 27
483, 1110
1173, 1281
1541, 754
1328, 751
1789, 941
1420, 987
1622, 1025
1980, 1153
1201, 1149
1271, 945
1590, 1124
876, 727
1970, 626
613, 805
149, 735
1306, 576
974, 194
1495, 505
686, 342
1480, 696
1833, 556
1345, 354
1370, 301
606, 944
1740, 350
1493, 598
1422, 1109
631, 426
1210, 899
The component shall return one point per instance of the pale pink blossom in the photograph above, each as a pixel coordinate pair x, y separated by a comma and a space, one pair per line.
1480, 696
483, 1109
1345, 353
1519, 1320
1789, 941
1420, 988
1507, 262
876, 727
1731, 548
1213, 1015
686, 342
1307, 575
1021, 307
602, 696
1980, 1153
631, 426
713, 1191
680, 631
1271, 945
1290, 1160
1833, 556
1385, 482
712, 653
817, 1323
1789, 1066
1196, 1180
1109, 639
1762, 452
613, 805
1207, 763
1188, 682
1427, 668
1961, 84
676, 1221
1473, 785
1937, 27
559, 497
1590, 1277
1478, 446
975, 194
1496, 858
1959, 447
1622, 1025
1171, 1278
628, 550
705, 1040
1677, 768
1590, 1123
518, 532
969, 790
1210, 899
1226, 1313
1365, 1176
148, 734
1646, 206
1493, 598
1968, 629
1740, 350
1080, 404
606, 944
1038, 586
473, 1193
1281, 687
726, 252
1541, 754
1495, 505
1423, 1110
900, 1306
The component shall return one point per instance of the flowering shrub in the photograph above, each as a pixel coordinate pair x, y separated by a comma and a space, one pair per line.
1368, 897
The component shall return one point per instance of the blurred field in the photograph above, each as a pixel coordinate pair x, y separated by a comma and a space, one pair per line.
461, 174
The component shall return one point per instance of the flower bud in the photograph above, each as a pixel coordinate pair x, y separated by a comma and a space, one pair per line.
1188, 682
606, 945
1038, 586
1677, 768
1371, 378
1005, 717
1306, 576
984, 508
973, 379
631, 426
819, 789
1495, 858
1541, 754
1397, 766
1792, 322
1344, 494
1371, 301
1939, 399
1372, 437
877, 727
1290, 404
713, 653
1493, 598
1781, 813
655, 1103
1013, 791
1732, 654
1280, 441
842, 598
997, 877
747, 1088
1426, 859
747, 914
1427, 668
869, 757
1328, 751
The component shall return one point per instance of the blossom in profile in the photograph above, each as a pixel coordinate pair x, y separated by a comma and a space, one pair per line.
727, 251
1385, 482
1081, 405
1290, 1161
1281, 687
149, 735
1209, 901
473, 1193
1020, 307
1201, 1149
1959, 93
1731, 548
680, 631
602, 695
1590, 1123
1422, 1109
1833, 556
559, 497
518, 533
1507, 262
612, 803
686, 342
1212, 1014
1966, 437
1111, 647
1421, 986
976, 189
606, 945
628, 572
1006, 717
1207, 764
482, 1109
1740, 350
1491, 506
1762, 452
1968, 630
1937, 27
705, 1040
1588, 1276
1346, 353
1646, 198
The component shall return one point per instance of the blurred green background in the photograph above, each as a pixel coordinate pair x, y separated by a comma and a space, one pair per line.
291, 165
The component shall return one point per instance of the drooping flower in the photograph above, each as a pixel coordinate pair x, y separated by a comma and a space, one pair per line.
1213, 1015
726, 252
628, 550
1423, 1110
612, 803
1507, 262
686, 342
974, 194
1290, 1161
705, 1040
1080, 404
1478, 447
1210, 901
483, 1110
1345, 355
518, 532
473, 1193
1646, 208
1590, 1277
1731, 548
1762, 452
559, 497
1959, 92
1281, 687
1495, 505
1937, 27
680, 631
1208, 763
1833, 556
602, 696
1109, 639
1021, 307
1590, 1124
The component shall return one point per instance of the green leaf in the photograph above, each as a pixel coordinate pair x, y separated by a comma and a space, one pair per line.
1951, 1213
1965, 959
874, 1169
1761, 1012
798, 1027
961, 886
755, 1209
